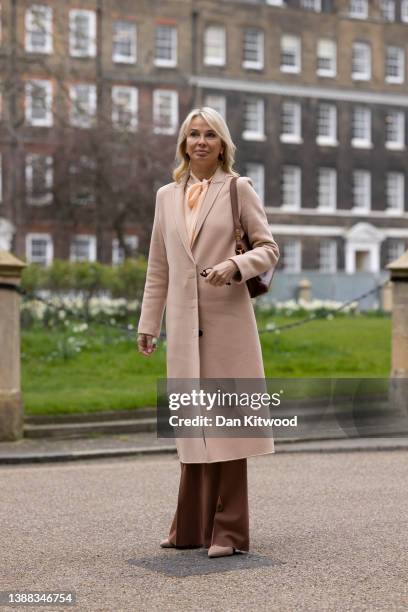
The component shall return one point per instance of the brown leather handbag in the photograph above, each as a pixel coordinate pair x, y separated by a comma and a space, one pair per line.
258, 284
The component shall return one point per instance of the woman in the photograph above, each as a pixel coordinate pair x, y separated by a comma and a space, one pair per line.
210, 322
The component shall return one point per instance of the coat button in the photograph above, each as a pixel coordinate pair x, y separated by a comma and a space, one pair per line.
200, 332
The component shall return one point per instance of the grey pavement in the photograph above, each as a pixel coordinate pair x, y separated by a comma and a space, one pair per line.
328, 533
98, 446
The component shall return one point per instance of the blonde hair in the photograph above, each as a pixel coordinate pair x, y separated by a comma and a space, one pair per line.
217, 122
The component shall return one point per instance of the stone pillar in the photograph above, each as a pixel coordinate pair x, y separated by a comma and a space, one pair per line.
399, 364
304, 291
11, 409
386, 297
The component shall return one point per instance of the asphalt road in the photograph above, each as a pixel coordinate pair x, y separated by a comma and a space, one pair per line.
329, 532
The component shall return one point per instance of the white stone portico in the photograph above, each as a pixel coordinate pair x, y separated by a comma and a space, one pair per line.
362, 248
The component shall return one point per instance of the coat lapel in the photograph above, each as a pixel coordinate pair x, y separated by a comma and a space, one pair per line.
206, 205
210, 197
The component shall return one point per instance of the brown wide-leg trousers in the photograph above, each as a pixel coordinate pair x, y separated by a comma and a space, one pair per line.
212, 505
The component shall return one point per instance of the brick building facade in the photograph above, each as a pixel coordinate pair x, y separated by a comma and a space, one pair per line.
314, 92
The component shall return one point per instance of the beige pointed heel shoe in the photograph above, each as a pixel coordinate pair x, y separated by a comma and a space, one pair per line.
167, 544
220, 551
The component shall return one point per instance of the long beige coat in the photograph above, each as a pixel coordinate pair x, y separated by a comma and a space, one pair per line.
228, 343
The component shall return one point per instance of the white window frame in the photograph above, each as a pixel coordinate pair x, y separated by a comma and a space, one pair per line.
276, 2
323, 45
365, 116
328, 256
47, 120
297, 187
365, 175
90, 51
92, 247
49, 178
117, 253
256, 173
400, 178
259, 36
295, 136
397, 145
387, 8
32, 26
400, 63
398, 246
293, 45
365, 49
173, 97
214, 59
296, 256
355, 13
131, 34
165, 62
87, 119
49, 253
330, 140
259, 133
331, 174
404, 11
312, 5
133, 93
217, 102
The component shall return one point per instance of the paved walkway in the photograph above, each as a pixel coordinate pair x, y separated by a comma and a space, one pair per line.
328, 533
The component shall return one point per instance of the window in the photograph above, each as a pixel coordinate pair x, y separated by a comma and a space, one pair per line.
38, 29
254, 122
361, 191
253, 49
214, 46
404, 10
312, 5
290, 53
83, 181
166, 46
328, 256
256, 173
217, 102
326, 57
83, 248
291, 197
39, 249
38, 108
361, 61
327, 189
39, 179
165, 111
361, 127
124, 42
395, 65
395, 130
359, 9
83, 105
118, 253
276, 2
388, 9
396, 248
124, 107
292, 256
326, 124
82, 33
395, 192
291, 122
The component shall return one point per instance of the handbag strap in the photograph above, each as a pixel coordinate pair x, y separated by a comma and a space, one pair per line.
239, 246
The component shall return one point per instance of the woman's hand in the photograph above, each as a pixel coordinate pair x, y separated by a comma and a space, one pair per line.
222, 273
146, 344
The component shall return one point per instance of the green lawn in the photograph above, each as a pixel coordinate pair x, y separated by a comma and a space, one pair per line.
108, 373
